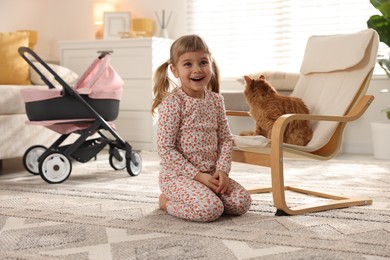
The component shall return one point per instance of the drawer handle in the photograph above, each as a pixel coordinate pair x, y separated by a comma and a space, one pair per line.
104, 53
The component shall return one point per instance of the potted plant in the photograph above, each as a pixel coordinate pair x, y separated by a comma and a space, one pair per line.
381, 24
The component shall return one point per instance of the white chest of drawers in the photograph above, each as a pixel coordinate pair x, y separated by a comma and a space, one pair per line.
135, 60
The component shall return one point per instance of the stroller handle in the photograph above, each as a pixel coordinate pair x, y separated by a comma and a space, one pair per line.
104, 53
23, 50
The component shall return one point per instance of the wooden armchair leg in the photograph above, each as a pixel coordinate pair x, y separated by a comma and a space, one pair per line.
278, 191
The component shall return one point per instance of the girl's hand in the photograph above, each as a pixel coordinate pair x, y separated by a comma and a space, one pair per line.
223, 185
208, 180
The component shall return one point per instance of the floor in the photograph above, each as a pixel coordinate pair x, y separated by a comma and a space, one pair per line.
120, 218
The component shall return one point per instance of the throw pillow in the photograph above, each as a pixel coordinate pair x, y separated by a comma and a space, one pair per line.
13, 69
70, 77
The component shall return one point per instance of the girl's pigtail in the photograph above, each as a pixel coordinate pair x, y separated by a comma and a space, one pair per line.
161, 85
214, 82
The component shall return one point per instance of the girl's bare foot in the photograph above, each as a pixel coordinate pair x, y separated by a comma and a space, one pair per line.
163, 202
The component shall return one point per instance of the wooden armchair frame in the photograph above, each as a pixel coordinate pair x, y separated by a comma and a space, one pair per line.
274, 160
273, 156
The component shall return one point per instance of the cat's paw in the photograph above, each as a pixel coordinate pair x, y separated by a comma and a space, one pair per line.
247, 133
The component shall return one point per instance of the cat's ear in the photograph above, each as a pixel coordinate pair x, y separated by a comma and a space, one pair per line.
248, 80
261, 77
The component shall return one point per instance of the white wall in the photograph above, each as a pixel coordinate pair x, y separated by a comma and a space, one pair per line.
357, 136
57, 20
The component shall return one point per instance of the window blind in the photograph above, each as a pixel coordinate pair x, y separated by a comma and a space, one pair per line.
251, 35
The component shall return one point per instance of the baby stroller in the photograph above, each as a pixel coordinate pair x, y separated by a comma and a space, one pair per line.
87, 109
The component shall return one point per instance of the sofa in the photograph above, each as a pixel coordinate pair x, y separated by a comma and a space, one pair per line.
17, 136
15, 74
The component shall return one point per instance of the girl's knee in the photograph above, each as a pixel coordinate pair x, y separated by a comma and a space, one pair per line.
238, 205
245, 204
210, 211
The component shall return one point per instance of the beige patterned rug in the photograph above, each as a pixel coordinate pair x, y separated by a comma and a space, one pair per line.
99, 213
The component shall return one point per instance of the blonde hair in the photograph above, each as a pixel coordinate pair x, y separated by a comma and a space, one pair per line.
187, 43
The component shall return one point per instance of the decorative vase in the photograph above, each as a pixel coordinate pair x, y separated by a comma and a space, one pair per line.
164, 33
381, 140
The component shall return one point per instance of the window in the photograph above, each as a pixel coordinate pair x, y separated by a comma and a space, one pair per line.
253, 35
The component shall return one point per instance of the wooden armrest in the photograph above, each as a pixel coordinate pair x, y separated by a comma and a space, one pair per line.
281, 123
356, 112
237, 113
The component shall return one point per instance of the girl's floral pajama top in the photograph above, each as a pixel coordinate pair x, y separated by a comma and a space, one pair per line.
193, 136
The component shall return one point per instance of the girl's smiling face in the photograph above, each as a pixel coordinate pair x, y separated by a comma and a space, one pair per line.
195, 71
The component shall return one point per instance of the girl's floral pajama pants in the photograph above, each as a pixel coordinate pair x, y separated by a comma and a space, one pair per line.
191, 200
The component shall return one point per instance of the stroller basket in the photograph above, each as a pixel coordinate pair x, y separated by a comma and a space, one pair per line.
100, 86
53, 109
87, 150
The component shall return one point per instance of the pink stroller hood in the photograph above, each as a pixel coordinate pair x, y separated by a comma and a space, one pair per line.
99, 81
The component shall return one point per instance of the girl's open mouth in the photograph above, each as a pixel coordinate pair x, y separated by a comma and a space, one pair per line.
197, 78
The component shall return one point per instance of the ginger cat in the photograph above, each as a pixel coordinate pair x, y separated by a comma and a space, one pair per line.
266, 105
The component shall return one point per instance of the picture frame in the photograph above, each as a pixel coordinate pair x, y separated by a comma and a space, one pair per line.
114, 23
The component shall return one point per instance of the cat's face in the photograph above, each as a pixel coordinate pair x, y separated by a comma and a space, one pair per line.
258, 88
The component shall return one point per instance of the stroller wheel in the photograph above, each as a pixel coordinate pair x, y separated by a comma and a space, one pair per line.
30, 158
134, 167
55, 167
117, 159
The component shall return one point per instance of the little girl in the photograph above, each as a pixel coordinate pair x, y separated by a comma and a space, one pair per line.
193, 137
